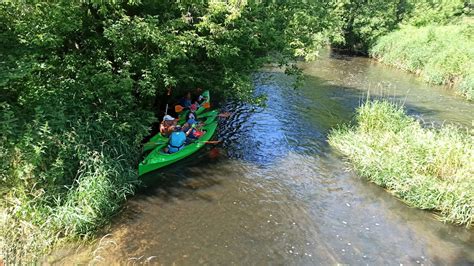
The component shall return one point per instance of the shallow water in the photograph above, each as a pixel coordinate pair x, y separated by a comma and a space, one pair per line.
276, 193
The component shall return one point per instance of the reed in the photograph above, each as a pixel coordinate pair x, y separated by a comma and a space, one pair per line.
442, 55
428, 168
34, 220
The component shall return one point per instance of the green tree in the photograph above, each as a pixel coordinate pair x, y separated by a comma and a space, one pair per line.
80, 82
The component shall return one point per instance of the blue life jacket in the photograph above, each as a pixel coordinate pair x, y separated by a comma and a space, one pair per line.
177, 141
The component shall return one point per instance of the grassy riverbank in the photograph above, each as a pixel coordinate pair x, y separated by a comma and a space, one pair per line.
68, 189
427, 168
430, 38
442, 55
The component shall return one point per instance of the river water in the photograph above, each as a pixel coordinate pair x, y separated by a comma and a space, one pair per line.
275, 192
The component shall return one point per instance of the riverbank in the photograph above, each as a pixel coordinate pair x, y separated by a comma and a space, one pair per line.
35, 221
427, 168
441, 55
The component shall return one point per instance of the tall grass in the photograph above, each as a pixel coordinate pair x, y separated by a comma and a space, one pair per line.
428, 168
442, 55
69, 193
31, 226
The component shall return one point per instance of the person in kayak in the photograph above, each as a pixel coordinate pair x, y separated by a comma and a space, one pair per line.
167, 125
177, 140
186, 101
192, 130
199, 98
192, 112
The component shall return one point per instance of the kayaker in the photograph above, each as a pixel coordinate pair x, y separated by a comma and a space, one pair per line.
167, 125
186, 101
192, 112
199, 99
192, 131
177, 140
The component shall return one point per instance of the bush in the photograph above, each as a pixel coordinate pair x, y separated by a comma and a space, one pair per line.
364, 22
426, 13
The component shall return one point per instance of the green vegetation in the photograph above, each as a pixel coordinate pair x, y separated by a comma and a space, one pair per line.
81, 82
431, 38
427, 168
440, 54
363, 22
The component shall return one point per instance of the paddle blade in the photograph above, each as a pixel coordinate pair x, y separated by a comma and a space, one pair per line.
212, 142
178, 108
224, 115
214, 153
206, 105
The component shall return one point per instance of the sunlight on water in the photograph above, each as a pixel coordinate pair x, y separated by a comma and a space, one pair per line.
276, 193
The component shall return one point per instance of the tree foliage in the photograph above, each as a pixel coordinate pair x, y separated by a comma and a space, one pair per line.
81, 82
364, 22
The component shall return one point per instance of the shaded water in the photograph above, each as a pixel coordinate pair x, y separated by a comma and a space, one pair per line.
278, 194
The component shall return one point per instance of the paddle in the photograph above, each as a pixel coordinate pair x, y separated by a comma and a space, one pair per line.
211, 142
150, 145
178, 108
224, 115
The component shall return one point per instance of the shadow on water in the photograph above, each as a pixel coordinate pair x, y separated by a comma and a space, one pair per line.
177, 180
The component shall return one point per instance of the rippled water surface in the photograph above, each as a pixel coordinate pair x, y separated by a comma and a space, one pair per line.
276, 193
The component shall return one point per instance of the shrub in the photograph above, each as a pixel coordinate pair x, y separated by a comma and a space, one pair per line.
427, 168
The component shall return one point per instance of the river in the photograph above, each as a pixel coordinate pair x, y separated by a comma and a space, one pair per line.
275, 192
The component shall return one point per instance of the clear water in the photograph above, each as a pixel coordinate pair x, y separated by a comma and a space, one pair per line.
278, 194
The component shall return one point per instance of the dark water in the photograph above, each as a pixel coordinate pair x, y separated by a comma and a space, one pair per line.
278, 194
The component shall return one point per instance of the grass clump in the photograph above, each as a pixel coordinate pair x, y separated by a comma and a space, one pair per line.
68, 193
442, 55
428, 168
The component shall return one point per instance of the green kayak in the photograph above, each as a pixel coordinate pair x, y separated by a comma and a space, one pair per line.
158, 159
201, 109
202, 114
158, 139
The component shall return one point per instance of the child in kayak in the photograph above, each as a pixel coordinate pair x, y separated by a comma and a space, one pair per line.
167, 125
177, 140
200, 98
192, 112
192, 131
